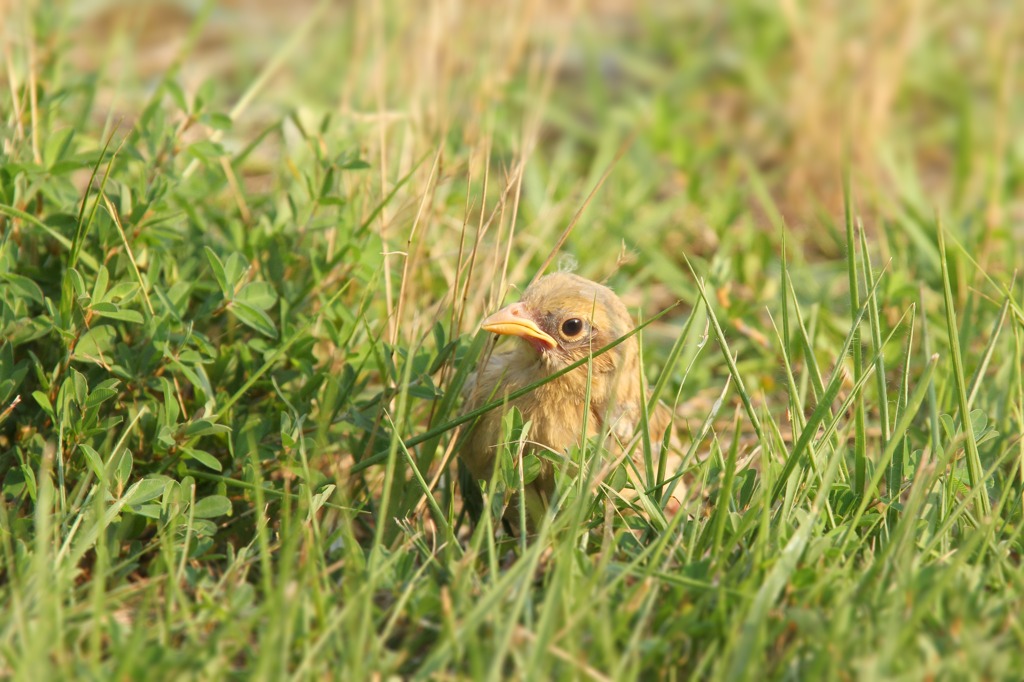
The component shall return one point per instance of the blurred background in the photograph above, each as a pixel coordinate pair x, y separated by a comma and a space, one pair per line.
918, 99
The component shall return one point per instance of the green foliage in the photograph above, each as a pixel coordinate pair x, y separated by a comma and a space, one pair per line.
237, 315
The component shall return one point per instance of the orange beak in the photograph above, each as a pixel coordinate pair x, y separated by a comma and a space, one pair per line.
514, 320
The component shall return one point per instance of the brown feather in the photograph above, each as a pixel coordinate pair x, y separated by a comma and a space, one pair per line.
545, 319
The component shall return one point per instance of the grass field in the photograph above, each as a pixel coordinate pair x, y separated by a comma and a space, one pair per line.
245, 249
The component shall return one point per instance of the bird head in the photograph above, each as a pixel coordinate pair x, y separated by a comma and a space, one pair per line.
564, 318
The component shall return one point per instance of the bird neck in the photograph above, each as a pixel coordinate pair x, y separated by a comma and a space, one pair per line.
609, 378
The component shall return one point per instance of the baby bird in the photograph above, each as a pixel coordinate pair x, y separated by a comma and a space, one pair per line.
561, 319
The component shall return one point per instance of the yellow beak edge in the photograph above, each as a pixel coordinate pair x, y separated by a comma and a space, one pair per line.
514, 321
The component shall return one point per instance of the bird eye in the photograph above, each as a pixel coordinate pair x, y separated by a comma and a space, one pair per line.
572, 327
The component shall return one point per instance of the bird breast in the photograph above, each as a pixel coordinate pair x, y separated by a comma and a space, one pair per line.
555, 410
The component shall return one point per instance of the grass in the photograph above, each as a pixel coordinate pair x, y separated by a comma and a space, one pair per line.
239, 295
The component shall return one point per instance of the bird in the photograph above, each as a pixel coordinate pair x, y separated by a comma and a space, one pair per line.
560, 319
